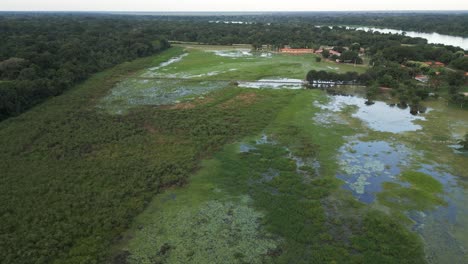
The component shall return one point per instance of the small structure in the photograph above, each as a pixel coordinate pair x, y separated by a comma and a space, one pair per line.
319, 51
334, 52
435, 64
384, 89
297, 51
422, 78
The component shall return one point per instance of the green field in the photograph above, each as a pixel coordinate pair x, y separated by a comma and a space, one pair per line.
156, 162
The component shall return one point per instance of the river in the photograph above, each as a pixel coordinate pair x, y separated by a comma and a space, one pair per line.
434, 38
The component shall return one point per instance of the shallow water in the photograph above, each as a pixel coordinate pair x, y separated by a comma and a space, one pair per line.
379, 116
237, 53
279, 83
169, 62
366, 165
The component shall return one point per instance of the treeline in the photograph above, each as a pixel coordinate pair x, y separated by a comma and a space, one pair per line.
446, 54
449, 23
295, 34
43, 55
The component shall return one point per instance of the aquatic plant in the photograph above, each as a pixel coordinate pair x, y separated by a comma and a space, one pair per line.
214, 232
423, 193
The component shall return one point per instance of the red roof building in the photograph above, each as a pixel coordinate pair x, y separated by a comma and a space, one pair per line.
435, 64
422, 78
333, 52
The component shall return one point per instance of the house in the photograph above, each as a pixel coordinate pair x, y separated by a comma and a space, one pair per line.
319, 51
435, 64
297, 51
333, 52
422, 78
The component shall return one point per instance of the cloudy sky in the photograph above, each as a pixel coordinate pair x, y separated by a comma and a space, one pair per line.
229, 5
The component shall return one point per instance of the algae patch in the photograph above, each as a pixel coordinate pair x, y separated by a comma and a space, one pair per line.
214, 232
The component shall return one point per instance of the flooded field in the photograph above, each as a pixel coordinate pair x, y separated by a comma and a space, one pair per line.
328, 177
371, 167
198, 70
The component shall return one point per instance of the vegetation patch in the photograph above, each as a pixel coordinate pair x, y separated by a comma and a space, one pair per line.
422, 194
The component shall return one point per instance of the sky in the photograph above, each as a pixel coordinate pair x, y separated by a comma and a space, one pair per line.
229, 5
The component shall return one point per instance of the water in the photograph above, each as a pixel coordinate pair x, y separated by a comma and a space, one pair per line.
365, 165
434, 38
279, 83
379, 116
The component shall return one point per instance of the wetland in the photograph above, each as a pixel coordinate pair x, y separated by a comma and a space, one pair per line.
325, 179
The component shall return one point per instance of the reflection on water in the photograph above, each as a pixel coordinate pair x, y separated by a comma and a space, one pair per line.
433, 38
378, 116
366, 165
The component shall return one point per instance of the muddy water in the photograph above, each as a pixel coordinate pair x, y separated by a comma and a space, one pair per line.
365, 165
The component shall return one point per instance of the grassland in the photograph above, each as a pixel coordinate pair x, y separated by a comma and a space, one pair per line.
203, 59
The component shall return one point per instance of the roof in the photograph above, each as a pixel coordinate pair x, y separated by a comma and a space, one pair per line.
434, 63
421, 78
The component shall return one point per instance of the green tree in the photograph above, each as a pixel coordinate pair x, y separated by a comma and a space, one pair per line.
326, 53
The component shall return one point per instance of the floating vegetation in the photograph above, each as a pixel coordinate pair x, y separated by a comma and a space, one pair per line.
366, 165
329, 119
135, 92
214, 232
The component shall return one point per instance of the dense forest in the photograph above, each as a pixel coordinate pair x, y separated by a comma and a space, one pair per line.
43, 55
449, 23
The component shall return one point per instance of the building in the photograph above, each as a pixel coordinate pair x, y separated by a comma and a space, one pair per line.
422, 78
297, 51
333, 52
435, 63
